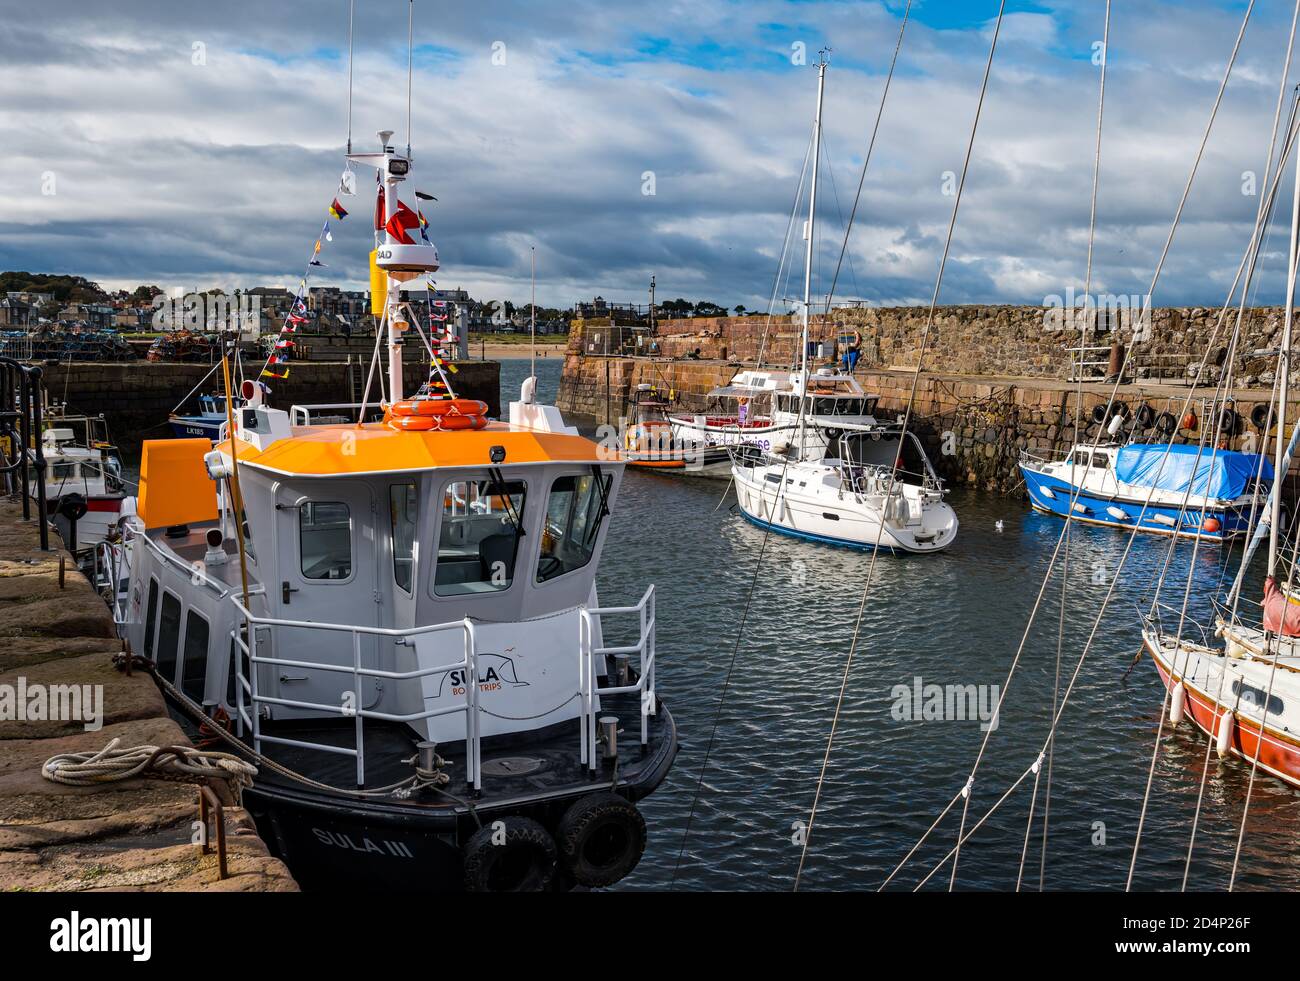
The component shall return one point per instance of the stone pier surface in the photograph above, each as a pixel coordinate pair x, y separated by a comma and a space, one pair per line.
132, 835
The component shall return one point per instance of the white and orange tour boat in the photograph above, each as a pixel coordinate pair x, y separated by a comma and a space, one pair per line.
397, 623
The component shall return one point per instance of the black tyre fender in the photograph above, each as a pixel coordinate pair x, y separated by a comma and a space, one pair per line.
601, 838
509, 854
1166, 423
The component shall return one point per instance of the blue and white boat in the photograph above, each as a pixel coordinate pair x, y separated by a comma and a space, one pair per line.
207, 423
1192, 491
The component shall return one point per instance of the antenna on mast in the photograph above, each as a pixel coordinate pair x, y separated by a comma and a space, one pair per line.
351, 9
410, 27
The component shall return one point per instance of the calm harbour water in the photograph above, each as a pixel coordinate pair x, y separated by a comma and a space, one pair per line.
954, 618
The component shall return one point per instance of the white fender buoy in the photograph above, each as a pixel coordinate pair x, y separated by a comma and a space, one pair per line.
1224, 742
1176, 703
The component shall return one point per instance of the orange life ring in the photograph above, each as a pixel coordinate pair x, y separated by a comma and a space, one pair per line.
439, 407
460, 422
413, 423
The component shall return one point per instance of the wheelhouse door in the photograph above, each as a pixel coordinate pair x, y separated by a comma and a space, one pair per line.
325, 532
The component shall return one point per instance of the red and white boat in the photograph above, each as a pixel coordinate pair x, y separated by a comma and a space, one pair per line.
1237, 694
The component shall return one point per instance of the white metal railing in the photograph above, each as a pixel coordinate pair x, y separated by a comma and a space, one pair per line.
248, 697
246, 686
109, 560
1084, 364
645, 683
302, 415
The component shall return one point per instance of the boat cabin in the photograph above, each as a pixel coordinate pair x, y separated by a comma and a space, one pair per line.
384, 567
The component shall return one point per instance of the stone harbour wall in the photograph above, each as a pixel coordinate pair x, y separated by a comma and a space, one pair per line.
972, 340
974, 428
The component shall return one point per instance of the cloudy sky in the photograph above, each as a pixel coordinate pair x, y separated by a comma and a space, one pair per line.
198, 144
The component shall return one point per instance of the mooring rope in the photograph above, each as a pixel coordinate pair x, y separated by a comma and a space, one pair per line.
182, 763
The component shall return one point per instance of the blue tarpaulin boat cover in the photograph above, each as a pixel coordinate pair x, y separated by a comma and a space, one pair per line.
1222, 474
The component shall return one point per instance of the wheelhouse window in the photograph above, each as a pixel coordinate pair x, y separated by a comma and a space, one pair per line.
1082, 458
574, 511
479, 536
403, 508
150, 617
325, 540
194, 657
169, 634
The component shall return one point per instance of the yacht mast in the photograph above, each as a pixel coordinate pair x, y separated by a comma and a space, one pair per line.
1284, 366
809, 226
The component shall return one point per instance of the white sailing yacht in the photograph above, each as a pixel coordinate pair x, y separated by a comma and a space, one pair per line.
839, 478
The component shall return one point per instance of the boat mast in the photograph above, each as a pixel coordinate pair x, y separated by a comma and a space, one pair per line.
1284, 366
809, 226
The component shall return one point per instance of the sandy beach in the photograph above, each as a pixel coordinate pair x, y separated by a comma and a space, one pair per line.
495, 352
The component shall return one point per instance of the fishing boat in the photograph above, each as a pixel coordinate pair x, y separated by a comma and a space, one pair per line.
838, 477
1163, 488
207, 422
648, 443
397, 622
85, 490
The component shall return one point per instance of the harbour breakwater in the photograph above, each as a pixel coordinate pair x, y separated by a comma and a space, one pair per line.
996, 382
135, 397
61, 693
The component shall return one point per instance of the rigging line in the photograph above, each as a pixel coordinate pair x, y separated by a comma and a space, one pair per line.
1024, 849
871, 145
1235, 592
1209, 125
1078, 409
351, 10
1132, 534
952, 223
758, 564
830, 172
1259, 742
785, 251
907, 416
978, 824
1165, 701
1211, 734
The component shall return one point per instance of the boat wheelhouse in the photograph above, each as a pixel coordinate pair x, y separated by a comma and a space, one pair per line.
1163, 488
761, 408
207, 422
420, 611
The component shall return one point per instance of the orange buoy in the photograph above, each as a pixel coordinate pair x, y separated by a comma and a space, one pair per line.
1190, 421
1211, 525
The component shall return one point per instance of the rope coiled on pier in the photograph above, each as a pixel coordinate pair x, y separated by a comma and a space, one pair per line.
178, 763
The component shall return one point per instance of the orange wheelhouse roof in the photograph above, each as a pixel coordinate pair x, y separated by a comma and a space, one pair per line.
376, 448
